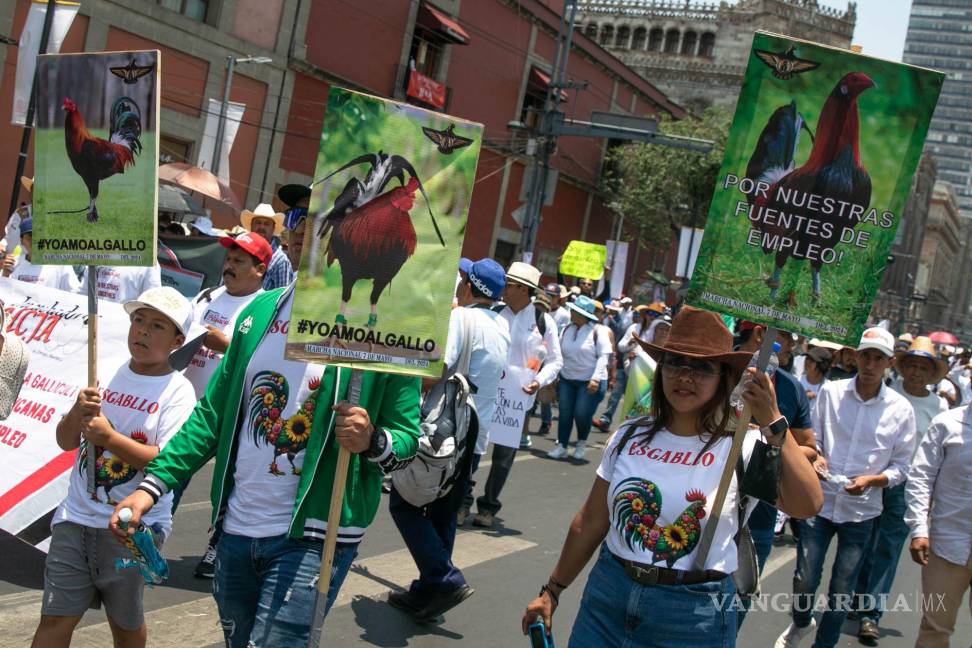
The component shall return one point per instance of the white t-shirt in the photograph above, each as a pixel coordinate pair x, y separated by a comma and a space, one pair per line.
279, 401
220, 312
149, 409
926, 408
810, 387
487, 360
583, 358
660, 494
561, 317
61, 277
124, 283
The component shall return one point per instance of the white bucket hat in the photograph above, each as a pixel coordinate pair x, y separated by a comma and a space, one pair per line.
166, 300
13, 365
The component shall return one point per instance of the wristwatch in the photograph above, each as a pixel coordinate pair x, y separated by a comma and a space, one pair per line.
775, 432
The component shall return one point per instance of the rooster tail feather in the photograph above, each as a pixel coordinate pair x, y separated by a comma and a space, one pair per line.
126, 124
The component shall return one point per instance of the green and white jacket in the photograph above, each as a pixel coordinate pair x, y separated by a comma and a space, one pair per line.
392, 402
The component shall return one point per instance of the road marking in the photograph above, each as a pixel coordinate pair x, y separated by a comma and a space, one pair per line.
196, 622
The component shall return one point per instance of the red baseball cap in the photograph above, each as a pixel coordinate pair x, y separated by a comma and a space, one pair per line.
251, 243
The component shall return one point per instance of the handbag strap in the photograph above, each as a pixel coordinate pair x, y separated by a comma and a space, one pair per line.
705, 542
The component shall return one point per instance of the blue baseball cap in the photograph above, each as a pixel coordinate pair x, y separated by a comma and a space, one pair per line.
488, 277
465, 265
26, 226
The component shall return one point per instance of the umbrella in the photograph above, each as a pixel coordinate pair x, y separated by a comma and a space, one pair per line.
192, 178
177, 201
943, 337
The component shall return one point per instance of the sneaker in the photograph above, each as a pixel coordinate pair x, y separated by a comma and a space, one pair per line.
408, 601
793, 635
439, 604
207, 566
868, 633
544, 429
601, 425
558, 452
461, 516
483, 519
525, 441
580, 450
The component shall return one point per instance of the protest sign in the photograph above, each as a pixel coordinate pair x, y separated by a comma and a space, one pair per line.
816, 173
29, 44
52, 324
390, 205
96, 168
637, 392
583, 259
512, 404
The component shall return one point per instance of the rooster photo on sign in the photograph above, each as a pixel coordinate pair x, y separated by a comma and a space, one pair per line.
96, 174
816, 173
383, 237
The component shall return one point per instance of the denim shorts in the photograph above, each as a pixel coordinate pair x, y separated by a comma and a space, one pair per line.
617, 612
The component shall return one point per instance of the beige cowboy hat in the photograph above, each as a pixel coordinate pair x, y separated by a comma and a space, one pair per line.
263, 210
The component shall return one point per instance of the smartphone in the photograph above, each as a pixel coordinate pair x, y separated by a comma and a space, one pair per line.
539, 637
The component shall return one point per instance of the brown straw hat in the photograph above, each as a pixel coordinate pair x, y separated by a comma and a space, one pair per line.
699, 334
923, 347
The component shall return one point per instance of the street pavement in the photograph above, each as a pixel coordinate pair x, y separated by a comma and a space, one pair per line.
506, 565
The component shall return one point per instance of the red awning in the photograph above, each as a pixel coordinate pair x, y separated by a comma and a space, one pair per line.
541, 81
438, 22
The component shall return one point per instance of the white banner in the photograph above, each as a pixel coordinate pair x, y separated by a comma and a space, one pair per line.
234, 113
619, 266
53, 325
512, 405
27, 49
689, 242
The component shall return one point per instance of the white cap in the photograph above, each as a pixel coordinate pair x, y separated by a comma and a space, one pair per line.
205, 225
166, 300
879, 339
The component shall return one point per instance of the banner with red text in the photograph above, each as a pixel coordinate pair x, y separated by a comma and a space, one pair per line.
52, 324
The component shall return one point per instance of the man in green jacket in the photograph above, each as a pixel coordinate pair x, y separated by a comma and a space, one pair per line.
275, 427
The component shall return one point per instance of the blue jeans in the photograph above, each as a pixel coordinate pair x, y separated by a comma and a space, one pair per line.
617, 395
429, 533
546, 413
881, 562
265, 588
762, 528
852, 542
616, 611
576, 406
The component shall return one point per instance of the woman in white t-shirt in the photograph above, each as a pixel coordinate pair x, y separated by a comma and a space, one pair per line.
651, 500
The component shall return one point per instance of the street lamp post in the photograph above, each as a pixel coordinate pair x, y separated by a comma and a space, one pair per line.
231, 62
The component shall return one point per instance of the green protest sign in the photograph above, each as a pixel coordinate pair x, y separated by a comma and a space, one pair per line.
583, 259
377, 275
96, 169
816, 173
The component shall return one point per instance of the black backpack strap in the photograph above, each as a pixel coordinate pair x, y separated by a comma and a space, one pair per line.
205, 295
541, 321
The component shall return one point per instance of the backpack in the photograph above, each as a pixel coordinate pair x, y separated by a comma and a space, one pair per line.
449, 428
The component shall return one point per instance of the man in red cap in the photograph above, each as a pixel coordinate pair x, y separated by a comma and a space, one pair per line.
214, 313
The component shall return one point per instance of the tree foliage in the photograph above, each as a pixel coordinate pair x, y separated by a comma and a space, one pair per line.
659, 189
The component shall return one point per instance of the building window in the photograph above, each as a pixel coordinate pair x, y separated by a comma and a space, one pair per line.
535, 96
624, 33
607, 33
591, 31
173, 149
671, 41
426, 53
689, 42
195, 9
707, 45
638, 42
655, 39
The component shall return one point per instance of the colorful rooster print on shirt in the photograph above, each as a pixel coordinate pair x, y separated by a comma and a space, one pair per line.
110, 471
268, 398
637, 504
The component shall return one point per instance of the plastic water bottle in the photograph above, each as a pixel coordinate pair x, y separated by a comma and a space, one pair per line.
736, 398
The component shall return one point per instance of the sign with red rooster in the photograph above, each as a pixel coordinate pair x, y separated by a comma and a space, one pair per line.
816, 173
96, 169
389, 208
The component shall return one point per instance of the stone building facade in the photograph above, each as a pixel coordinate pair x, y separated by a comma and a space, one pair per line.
696, 52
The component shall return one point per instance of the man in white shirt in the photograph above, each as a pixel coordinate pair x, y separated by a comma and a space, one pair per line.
918, 367
534, 344
123, 283
429, 532
939, 497
865, 439
61, 277
561, 316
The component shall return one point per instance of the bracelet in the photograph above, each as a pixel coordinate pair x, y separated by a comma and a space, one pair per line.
556, 583
546, 588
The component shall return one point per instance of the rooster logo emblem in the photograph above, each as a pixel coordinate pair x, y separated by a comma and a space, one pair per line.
110, 471
637, 504
268, 398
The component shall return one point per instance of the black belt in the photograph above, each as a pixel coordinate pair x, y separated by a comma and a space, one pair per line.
651, 575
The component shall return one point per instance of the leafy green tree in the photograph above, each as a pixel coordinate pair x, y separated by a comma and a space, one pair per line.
659, 188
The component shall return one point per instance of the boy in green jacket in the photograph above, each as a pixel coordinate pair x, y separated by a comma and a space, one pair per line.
275, 427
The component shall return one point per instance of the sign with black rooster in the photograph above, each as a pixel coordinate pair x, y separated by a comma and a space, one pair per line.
817, 169
388, 215
96, 168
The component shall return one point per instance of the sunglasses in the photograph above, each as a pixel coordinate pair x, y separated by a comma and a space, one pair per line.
293, 216
674, 367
